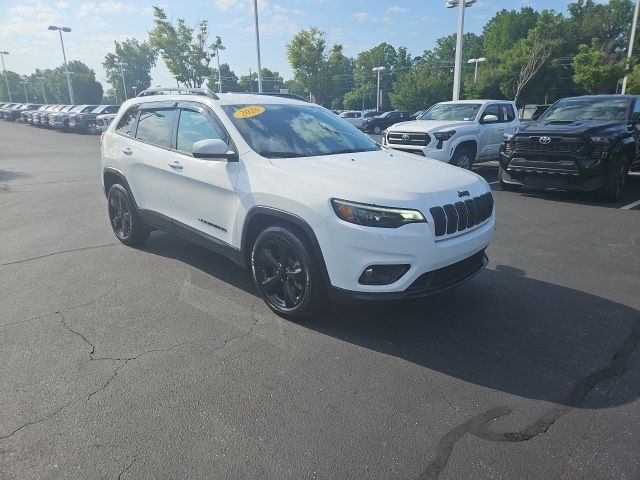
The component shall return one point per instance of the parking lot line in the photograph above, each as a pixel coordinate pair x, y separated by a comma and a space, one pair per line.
631, 205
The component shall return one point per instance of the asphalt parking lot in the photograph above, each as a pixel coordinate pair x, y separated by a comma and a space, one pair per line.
161, 362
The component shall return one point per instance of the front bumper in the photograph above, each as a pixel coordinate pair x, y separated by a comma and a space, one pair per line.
429, 283
349, 249
579, 172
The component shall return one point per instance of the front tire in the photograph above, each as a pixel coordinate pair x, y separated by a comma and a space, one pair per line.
463, 157
613, 187
286, 274
124, 218
377, 130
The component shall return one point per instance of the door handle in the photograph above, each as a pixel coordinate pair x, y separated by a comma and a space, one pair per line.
175, 164
127, 151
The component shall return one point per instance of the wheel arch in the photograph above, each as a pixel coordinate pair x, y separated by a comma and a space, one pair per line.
470, 143
260, 217
111, 176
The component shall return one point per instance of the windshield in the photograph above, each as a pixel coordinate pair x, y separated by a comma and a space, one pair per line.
99, 109
461, 112
285, 131
600, 109
79, 108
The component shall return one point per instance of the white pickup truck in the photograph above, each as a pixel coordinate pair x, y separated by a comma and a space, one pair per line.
459, 132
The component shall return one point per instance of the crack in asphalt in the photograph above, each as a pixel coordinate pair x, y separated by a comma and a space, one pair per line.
58, 253
478, 425
127, 468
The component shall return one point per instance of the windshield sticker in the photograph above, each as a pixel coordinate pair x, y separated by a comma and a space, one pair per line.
250, 111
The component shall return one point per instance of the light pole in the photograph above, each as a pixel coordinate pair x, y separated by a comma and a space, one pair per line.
6, 79
378, 70
24, 85
64, 56
476, 61
135, 91
124, 85
461, 4
218, 48
631, 41
255, 13
44, 95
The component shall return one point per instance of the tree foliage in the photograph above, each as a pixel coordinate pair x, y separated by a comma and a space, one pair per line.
139, 57
596, 69
184, 49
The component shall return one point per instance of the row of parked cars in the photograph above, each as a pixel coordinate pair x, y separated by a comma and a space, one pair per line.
80, 118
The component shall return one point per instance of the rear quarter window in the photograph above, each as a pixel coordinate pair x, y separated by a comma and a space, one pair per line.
127, 121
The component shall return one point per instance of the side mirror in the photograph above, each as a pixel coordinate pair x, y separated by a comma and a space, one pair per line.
214, 149
489, 118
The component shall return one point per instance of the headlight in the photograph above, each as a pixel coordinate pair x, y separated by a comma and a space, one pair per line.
602, 140
507, 137
444, 136
374, 216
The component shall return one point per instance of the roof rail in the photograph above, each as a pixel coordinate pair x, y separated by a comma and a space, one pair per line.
274, 94
178, 91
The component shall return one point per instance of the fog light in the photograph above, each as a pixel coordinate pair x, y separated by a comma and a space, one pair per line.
382, 274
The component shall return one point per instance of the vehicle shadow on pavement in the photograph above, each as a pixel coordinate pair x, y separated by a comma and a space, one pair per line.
502, 330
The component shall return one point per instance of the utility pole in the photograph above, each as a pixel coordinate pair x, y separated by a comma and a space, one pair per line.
631, 42
457, 73
24, 85
44, 95
255, 12
124, 85
476, 61
218, 48
6, 79
378, 70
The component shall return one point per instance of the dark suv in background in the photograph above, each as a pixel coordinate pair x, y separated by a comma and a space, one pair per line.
584, 143
379, 123
87, 122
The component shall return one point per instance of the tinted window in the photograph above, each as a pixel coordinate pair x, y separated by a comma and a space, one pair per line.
111, 109
607, 108
128, 120
156, 126
192, 127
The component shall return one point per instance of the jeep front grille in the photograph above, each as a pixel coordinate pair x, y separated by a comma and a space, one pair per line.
406, 138
462, 215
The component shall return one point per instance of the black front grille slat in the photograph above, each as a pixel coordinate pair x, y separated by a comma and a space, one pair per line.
471, 208
461, 216
452, 218
439, 220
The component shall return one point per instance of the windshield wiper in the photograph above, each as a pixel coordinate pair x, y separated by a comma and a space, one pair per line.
283, 154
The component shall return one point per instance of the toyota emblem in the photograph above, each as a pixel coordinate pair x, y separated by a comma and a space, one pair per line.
545, 140
405, 136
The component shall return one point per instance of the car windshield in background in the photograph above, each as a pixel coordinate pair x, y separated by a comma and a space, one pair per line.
450, 111
598, 109
285, 131
79, 108
99, 109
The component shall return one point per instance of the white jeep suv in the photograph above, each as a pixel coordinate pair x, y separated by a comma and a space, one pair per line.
286, 188
458, 132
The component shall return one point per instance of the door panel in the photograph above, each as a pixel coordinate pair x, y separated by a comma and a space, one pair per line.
201, 191
491, 133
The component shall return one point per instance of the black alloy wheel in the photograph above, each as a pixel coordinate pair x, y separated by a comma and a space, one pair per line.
286, 274
124, 218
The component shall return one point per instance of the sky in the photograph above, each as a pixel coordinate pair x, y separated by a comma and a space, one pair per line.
356, 24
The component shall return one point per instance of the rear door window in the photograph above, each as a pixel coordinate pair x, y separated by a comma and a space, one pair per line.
155, 126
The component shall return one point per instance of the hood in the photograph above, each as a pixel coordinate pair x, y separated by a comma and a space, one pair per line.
426, 126
572, 128
383, 177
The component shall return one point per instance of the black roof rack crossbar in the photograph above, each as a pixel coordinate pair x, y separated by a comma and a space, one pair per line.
178, 91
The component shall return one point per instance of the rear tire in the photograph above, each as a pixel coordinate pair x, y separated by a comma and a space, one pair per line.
509, 187
286, 274
124, 217
613, 187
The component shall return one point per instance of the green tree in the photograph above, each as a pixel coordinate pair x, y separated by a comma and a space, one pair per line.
14, 87
505, 29
184, 49
597, 70
315, 67
139, 57
419, 88
229, 79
